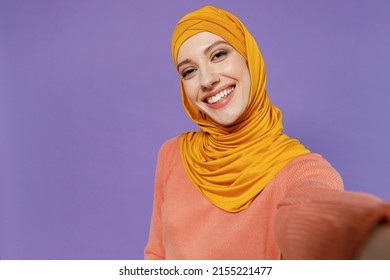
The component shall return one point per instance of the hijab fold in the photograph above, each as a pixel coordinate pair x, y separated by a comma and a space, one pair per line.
231, 165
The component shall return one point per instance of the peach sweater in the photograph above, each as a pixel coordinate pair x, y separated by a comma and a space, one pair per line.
301, 214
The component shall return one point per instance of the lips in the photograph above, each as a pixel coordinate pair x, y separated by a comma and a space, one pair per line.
213, 98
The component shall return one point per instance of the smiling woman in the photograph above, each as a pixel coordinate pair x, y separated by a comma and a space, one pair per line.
239, 188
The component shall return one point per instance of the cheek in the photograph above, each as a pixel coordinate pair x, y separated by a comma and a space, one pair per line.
246, 80
190, 90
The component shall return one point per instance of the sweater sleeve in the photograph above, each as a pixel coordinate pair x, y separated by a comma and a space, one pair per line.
154, 249
317, 220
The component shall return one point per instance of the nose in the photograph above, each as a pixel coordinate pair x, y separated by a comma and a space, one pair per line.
208, 79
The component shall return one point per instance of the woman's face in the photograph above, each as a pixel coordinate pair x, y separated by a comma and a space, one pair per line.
215, 77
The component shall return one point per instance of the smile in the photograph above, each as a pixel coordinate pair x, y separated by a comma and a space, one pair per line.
219, 96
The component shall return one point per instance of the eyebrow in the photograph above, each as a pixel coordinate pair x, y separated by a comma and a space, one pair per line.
206, 50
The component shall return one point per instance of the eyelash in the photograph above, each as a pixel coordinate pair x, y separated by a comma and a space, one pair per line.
217, 56
187, 72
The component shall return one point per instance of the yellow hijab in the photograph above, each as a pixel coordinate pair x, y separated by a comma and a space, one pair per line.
231, 165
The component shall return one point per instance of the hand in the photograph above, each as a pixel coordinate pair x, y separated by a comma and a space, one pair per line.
377, 246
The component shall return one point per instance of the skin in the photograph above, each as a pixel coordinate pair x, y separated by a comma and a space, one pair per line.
208, 65
377, 246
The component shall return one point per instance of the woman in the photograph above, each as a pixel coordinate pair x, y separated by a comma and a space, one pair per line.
239, 188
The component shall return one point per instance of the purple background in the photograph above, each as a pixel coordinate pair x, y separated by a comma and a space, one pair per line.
88, 93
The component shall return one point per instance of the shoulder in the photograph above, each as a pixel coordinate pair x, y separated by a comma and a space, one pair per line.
311, 171
170, 147
168, 156
169, 153
309, 162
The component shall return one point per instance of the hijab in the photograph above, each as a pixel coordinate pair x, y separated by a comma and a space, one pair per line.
231, 165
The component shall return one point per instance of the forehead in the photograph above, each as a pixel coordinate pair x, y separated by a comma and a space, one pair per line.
197, 44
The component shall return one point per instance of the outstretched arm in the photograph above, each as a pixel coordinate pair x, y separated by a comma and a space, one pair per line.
333, 225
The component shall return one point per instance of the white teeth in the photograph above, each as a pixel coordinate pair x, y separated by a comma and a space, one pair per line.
219, 96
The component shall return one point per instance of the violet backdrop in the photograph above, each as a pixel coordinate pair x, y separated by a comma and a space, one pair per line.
88, 93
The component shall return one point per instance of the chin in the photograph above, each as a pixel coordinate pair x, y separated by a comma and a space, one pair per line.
225, 121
